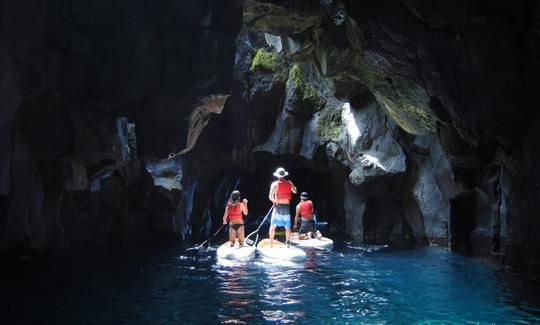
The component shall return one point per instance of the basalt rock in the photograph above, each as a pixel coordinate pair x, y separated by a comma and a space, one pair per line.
458, 78
90, 90
418, 115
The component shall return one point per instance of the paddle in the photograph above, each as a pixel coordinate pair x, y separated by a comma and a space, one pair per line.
292, 231
250, 241
214, 235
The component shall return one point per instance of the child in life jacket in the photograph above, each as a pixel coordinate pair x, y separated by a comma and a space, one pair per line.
233, 213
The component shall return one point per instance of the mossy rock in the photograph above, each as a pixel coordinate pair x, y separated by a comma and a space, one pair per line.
405, 102
264, 60
329, 125
308, 91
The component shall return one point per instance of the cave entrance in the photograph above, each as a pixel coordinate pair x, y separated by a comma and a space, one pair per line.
321, 185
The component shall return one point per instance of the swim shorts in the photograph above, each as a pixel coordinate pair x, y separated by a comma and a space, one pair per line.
307, 226
281, 216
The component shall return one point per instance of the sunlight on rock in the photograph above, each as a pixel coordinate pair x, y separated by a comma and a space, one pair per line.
369, 160
166, 173
274, 41
352, 128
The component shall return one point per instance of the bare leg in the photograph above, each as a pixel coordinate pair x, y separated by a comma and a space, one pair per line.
271, 233
241, 236
232, 236
287, 233
301, 236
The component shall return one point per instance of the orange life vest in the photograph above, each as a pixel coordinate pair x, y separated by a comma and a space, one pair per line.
306, 208
235, 211
283, 190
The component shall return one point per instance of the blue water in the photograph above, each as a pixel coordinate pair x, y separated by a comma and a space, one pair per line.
350, 285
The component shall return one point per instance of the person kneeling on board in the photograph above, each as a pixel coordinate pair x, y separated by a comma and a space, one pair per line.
233, 212
304, 209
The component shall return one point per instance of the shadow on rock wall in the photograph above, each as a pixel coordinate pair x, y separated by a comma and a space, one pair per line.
426, 110
93, 92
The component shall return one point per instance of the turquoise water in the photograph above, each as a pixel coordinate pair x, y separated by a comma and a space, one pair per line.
350, 285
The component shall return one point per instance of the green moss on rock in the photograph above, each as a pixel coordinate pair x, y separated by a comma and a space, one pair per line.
309, 93
265, 60
329, 125
406, 102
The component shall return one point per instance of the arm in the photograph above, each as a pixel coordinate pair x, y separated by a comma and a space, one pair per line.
293, 188
225, 215
245, 206
297, 215
272, 193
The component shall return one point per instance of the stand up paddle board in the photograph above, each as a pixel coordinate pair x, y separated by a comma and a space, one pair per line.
321, 242
235, 252
280, 251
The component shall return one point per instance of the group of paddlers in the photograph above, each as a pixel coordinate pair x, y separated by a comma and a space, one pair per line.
280, 195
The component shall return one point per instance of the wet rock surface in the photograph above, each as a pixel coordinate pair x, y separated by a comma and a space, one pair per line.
424, 122
92, 94
418, 115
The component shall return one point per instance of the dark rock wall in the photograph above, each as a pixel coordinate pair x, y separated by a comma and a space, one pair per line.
442, 96
409, 121
88, 88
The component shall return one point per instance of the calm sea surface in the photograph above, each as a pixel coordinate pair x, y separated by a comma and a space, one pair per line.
349, 285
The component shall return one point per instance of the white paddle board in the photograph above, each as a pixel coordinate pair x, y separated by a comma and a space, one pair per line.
280, 251
321, 242
235, 253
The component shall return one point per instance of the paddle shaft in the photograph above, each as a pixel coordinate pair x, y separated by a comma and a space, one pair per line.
214, 235
260, 225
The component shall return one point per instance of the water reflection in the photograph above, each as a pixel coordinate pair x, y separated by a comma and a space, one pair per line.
282, 292
237, 293
352, 284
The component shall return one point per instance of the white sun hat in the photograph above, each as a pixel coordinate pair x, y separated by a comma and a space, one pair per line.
280, 172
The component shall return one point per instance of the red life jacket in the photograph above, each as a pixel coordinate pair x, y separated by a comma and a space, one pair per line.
283, 190
306, 208
235, 211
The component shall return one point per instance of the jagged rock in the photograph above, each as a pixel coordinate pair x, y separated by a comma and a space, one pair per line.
274, 41
128, 138
166, 173
275, 18
338, 49
287, 136
266, 96
11, 98
459, 77
73, 88
300, 102
439, 13
433, 187
370, 144
200, 117
355, 209
74, 177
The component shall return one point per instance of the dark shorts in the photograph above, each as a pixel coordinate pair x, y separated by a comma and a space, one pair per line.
307, 226
236, 226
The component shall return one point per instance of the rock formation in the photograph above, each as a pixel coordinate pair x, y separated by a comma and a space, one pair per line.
409, 121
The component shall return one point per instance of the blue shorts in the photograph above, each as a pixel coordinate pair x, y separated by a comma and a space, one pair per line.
281, 216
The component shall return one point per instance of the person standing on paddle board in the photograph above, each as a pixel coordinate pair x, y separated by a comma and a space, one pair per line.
281, 194
233, 212
304, 210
